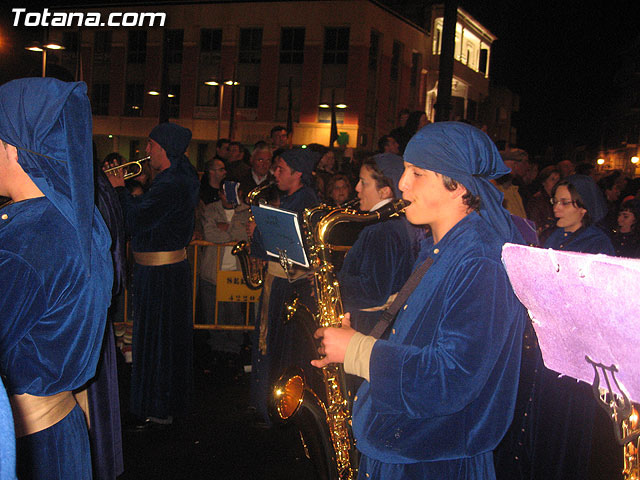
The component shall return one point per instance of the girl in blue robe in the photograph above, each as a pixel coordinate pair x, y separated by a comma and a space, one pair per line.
381, 259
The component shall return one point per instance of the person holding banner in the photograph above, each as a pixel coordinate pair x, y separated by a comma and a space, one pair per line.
277, 345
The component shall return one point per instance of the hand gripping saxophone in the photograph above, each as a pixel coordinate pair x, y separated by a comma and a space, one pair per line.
291, 393
253, 268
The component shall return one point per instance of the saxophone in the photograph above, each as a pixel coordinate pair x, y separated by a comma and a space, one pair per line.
291, 394
252, 268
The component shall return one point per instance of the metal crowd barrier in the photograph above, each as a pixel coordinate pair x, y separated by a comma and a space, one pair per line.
230, 287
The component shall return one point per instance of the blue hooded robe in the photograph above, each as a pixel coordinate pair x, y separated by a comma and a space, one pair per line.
442, 388
55, 267
162, 219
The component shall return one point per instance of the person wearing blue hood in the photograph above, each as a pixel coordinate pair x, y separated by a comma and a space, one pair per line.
55, 269
439, 393
381, 259
551, 434
578, 205
277, 345
161, 223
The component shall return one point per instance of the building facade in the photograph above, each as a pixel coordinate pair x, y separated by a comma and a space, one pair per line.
236, 69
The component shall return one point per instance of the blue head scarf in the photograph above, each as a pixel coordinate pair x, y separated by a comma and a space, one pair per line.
173, 138
49, 122
591, 195
468, 156
391, 166
302, 160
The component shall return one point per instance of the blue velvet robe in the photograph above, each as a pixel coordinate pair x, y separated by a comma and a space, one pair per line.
590, 240
162, 219
287, 344
443, 386
551, 434
377, 265
53, 320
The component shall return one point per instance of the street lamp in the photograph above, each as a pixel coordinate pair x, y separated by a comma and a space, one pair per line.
215, 83
38, 47
600, 161
635, 160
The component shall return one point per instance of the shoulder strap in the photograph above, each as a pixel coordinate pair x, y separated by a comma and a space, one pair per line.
389, 313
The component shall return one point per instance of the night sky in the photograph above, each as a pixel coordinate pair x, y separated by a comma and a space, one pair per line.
559, 56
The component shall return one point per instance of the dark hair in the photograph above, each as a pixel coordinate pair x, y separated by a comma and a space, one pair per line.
382, 143
546, 172
607, 183
260, 144
378, 176
221, 142
469, 199
584, 168
575, 198
316, 147
633, 206
111, 157
277, 128
336, 178
413, 121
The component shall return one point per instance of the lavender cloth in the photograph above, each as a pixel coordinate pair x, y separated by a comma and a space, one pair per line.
576, 308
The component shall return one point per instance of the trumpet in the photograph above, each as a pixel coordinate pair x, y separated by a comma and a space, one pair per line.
135, 173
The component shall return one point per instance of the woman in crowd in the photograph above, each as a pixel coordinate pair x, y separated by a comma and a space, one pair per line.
578, 205
539, 208
551, 434
626, 238
338, 190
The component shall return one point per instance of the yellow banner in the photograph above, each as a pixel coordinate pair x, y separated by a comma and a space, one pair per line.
231, 288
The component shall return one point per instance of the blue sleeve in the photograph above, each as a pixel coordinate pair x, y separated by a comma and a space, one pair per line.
22, 303
371, 267
439, 374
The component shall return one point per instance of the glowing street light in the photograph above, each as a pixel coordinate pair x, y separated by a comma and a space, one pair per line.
600, 161
214, 83
38, 47
635, 160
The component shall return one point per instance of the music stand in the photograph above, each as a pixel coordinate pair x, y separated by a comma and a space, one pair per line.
586, 326
281, 235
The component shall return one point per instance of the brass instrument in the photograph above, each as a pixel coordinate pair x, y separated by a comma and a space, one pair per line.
631, 434
253, 268
130, 174
292, 394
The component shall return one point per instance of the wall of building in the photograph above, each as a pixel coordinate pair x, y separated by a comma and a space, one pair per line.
402, 74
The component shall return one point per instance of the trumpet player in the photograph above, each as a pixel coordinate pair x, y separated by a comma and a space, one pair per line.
161, 223
439, 393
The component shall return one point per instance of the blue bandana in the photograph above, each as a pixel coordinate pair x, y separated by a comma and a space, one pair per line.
468, 156
591, 196
391, 166
49, 122
173, 138
302, 160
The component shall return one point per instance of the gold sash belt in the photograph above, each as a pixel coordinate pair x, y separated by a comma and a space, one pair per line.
156, 259
32, 414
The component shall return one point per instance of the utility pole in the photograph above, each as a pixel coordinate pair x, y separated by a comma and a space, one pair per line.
445, 77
